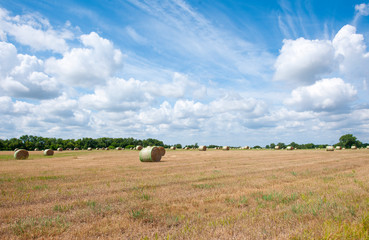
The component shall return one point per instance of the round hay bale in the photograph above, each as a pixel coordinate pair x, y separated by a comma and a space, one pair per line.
173, 148
48, 152
246, 147
338, 147
60, 149
76, 149
118, 148
329, 148
277, 147
367, 147
162, 150
16, 149
289, 148
89, 149
107, 149
68, 149
21, 154
36, 149
139, 147
186, 148
202, 148
225, 148
150, 154
353, 147
97, 148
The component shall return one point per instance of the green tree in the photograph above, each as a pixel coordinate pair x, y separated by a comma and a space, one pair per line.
349, 140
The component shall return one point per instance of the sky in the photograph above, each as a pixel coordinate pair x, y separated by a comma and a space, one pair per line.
200, 71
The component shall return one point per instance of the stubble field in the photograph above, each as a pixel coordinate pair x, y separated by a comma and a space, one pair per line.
237, 194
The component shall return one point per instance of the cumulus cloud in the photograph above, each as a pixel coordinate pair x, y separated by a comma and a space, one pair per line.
88, 66
325, 95
303, 61
22, 75
350, 48
34, 31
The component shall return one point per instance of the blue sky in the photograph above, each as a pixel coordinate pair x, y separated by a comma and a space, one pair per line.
212, 72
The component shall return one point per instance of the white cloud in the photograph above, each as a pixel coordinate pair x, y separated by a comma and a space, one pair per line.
303, 61
350, 48
34, 31
362, 9
325, 95
135, 36
22, 75
88, 66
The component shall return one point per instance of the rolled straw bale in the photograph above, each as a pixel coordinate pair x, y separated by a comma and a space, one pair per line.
139, 147
338, 147
162, 150
68, 149
150, 154
367, 147
89, 149
329, 148
21, 154
36, 149
118, 148
289, 148
277, 147
353, 147
172, 148
97, 148
60, 149
76, 149
48, 152
202, 148
186, 148
107, 149
16, 149
225, 148
246, 147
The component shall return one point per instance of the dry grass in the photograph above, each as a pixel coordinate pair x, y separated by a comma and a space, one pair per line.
312, 194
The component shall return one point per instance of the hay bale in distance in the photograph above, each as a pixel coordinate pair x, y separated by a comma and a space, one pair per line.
21, 154
338, 148
277, 147
225, 148
353, 147
367, 147
139, 147
186, 148
118, 148
162, 150
329, 148
202, 148
60, 149
289, 148
76, 149
89, 149
150, 154
36, 149
173, 148
48, 152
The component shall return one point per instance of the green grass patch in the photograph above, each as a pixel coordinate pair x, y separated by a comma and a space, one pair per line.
36, 227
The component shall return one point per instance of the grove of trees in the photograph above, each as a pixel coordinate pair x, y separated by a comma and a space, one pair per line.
30, 142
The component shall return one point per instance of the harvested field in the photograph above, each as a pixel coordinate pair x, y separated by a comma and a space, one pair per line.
237, 194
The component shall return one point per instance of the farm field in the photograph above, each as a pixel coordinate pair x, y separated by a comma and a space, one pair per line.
215, 194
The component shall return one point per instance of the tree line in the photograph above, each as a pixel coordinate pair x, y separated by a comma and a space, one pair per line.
30, 142
345, 141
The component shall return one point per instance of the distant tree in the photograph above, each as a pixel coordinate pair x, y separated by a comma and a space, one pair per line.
349, 140
178, 145
281, 145
267, 146
272, 145
256, 147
